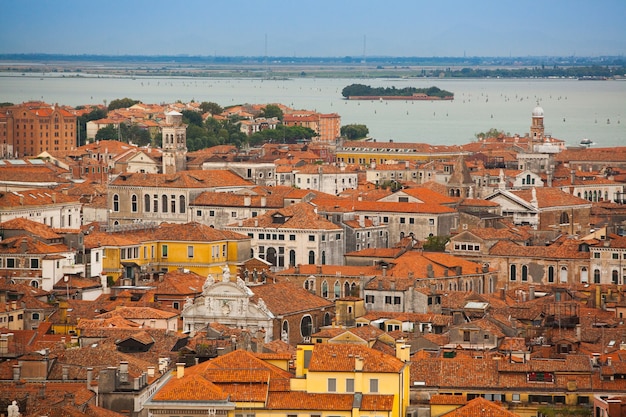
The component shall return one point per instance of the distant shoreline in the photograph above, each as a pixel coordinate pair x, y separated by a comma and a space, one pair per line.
417, 98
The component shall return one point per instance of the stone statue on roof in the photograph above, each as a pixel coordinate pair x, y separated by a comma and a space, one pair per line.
225, 274
13, 410
209, 281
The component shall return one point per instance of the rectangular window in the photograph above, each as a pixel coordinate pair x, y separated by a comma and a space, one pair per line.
411, 220
164, 251
223, 251
387, 299
349, 385
198, 213
212, 213
337, 236
311, 238
615, 255
373, 385
396, 300
34, 263
596, 255
292, 237
190, 251
402, 220
332, 385
431, 222
369, 299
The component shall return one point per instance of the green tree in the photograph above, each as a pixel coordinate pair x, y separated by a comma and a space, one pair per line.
95, 114
272, 110
192, 117
133, 133
491, 133
210, 107
354, 131
108, 133
436, 243
122, 103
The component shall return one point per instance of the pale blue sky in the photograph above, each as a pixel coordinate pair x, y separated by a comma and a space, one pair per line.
324, 28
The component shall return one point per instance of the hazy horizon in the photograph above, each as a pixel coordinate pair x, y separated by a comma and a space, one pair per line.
325, 28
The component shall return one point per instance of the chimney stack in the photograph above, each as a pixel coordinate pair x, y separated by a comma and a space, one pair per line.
180, 370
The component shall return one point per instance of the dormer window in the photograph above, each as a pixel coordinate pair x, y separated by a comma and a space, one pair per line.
278, 219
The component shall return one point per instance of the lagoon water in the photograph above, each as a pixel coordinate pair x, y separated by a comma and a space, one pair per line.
573, 109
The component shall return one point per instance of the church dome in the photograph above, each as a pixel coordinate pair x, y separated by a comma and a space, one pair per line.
538, 112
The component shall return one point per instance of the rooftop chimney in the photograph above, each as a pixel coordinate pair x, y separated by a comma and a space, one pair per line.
180, 370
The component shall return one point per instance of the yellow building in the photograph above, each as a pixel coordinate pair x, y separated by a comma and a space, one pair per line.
144, 254
365, 153
331, 380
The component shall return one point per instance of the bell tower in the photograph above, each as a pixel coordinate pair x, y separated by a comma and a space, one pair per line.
174, 138
536, 126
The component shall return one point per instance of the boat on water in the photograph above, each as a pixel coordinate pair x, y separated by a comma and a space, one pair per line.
586, 142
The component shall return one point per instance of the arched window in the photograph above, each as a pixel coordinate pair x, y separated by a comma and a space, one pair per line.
596, 276
182, 207
346, 289
513, 275
615, 277
524, 272
564, 218
34, 284
116, 202
563, 275
584, 275
324, 289
327, 319
35, 316
306, 326
354, 290
492, 284
292, 258
270, 256
133, 203
550, 274
164, 203
146, 203
323, 257
311, 257
337, 289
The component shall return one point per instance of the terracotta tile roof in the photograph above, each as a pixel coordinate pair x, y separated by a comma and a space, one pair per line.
34, 198
550, 197
180, 283
331, 205
214, 199
479, 407
443, 399
138, 313
300, 216
206, 179
27, 172
617, 154
165, 232
278, 346
35, 228
27, 244
341, 358
567, 250
344, 270
191, 388
284, 298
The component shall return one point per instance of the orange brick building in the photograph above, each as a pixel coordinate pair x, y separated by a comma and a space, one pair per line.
327, 126
30, 128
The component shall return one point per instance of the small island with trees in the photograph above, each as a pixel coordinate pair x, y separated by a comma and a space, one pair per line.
365, 92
